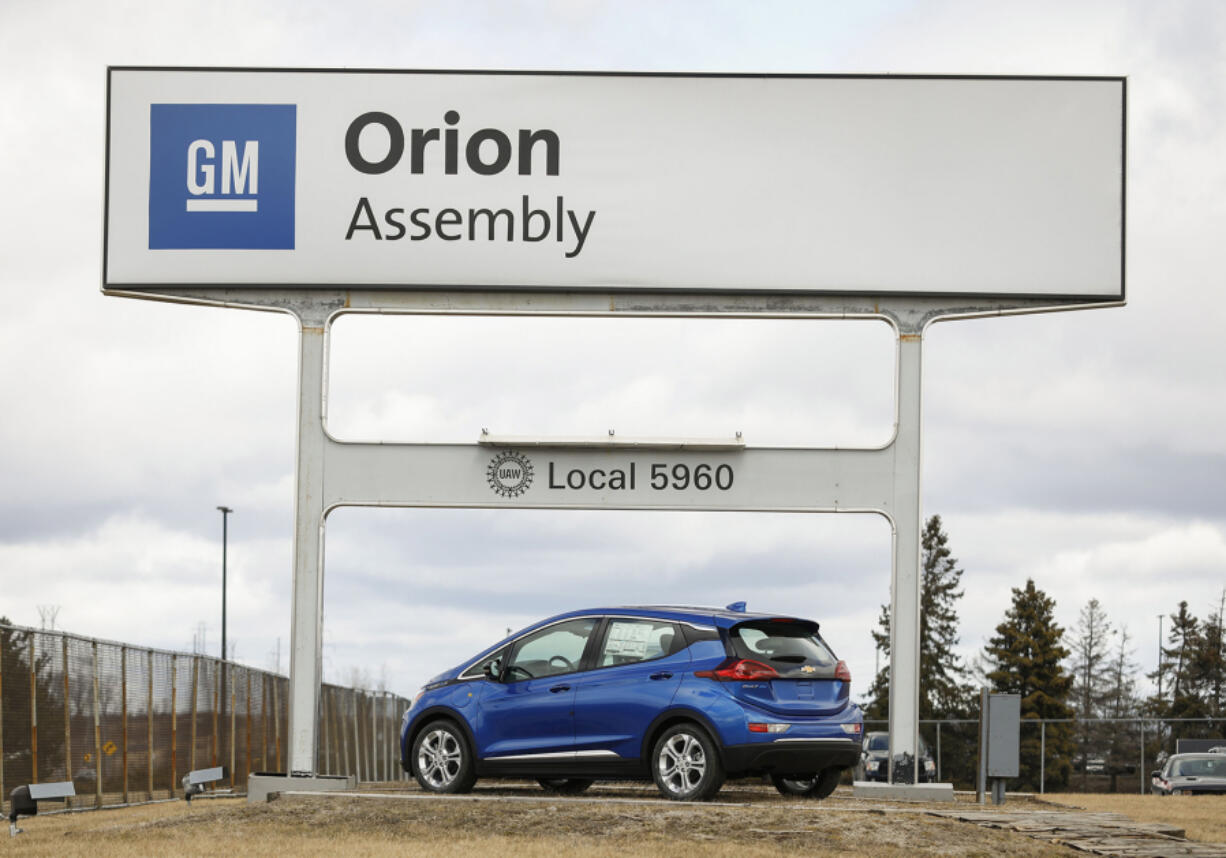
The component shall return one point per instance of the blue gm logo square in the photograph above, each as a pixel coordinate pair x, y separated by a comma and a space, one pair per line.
222, 176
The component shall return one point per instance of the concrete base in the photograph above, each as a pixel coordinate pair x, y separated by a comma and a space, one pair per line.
262, 786
903, 792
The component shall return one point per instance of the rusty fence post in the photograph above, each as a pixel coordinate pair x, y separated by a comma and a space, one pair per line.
357, 739
33, 710
123, 714
276, 718
97, 735
1, 721
149, 730
174, 721
326, 767
67, 716
191, 755
336, 717
263, 722
337, 711
247, 765
216, 709
233, 705
337, 731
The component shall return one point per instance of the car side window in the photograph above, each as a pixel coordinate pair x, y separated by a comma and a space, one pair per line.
628, 641
551, 651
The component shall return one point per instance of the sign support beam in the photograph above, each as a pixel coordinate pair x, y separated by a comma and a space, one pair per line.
306, 625
905, 579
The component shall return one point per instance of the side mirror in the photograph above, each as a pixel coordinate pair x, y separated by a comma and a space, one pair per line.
1156, 773
493, 670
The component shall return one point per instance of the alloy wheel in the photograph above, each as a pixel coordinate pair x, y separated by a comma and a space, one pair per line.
682, 763
440, 757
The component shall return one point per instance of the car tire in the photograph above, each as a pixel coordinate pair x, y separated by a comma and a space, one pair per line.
564, 786
685, 764
817, 786
442, 761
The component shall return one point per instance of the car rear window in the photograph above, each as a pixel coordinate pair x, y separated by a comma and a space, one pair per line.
792, 648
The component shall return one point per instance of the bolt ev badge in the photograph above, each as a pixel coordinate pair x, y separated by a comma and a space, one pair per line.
509, 474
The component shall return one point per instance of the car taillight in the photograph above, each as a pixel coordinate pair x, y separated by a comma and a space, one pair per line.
759, 727
841, 671
739, 670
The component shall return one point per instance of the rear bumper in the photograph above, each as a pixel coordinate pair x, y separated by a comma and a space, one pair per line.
1196, 789
791, 756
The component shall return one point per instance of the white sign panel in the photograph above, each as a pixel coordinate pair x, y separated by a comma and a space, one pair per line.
611, 182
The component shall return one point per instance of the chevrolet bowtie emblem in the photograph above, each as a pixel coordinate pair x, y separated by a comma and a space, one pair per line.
808, 668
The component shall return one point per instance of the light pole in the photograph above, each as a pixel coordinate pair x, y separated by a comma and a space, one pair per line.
225, 514
1159, 669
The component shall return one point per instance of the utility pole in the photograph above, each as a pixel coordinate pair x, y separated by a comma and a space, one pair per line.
1159, 668
47, 614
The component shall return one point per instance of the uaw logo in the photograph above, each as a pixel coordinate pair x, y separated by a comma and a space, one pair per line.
509, 474
221, 176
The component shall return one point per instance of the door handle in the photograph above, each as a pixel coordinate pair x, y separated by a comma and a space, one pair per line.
663, 674
558, 688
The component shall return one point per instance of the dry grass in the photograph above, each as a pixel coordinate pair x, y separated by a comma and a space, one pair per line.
1202, 816
523, 829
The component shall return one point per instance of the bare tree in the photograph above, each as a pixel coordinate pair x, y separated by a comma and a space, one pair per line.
1091, 680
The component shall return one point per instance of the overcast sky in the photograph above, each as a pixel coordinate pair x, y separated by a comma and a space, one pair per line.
1084, 450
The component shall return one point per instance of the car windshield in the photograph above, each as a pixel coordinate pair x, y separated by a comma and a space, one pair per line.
881, 742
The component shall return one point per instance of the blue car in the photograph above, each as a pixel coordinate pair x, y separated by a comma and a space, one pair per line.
684, 696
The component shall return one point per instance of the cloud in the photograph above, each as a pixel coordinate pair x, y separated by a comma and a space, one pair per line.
133, 580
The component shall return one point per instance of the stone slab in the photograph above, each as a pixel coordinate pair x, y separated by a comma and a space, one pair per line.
262, 787
903, 792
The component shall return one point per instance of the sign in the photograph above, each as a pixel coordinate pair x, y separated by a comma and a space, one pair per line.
880, 185
650, 478
1003, 728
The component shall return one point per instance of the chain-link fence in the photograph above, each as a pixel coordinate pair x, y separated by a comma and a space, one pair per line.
1068, 754
125, 723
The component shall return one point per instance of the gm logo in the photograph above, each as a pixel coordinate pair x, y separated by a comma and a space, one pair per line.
221, 176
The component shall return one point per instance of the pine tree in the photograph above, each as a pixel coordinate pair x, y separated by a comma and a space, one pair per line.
1025, 657
944, 692
1091, 682
1178, 664
1207, 668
